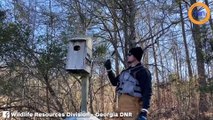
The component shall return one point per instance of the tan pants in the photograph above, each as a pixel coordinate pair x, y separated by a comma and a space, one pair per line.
129, 104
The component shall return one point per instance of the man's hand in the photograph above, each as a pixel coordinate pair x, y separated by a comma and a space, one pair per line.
107, 65
142, 116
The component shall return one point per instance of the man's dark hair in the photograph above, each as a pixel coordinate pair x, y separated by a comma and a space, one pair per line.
137, 52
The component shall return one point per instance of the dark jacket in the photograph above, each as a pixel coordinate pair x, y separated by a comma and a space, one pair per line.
144, 78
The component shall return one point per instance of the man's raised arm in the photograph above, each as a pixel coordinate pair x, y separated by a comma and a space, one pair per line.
111, 75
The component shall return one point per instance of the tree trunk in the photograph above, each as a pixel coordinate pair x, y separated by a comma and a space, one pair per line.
128, 13
156, 68
116, 54
115, 38
125, 30
132, 13
102, 88
185, 42
210, 20
158, 82
203, 104
47, 100
53, 94
81, 28
91, 83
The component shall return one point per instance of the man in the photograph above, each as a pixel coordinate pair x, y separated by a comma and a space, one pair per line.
133, 86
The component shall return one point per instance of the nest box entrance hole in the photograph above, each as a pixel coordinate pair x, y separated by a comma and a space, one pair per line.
77, 48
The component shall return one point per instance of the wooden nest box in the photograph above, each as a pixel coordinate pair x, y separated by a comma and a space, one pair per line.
79, 55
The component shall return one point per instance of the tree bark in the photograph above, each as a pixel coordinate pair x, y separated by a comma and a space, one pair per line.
210, 20
91, 84
185, 42
156, 68
53, 94
128, 13
102, 88
203, 103
158, 81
